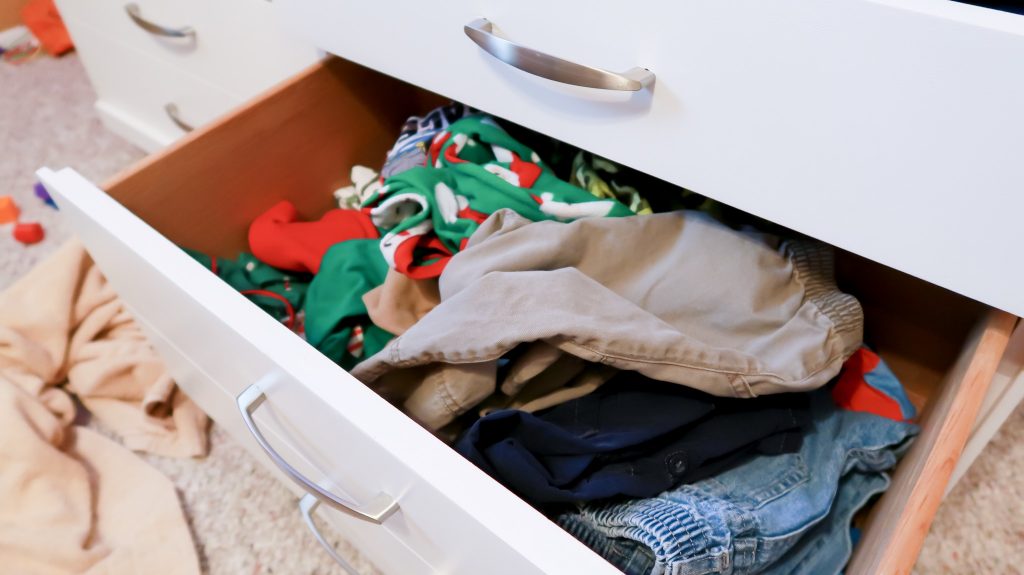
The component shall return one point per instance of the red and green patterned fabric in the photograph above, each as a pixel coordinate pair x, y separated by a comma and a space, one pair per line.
427, 214
280, 293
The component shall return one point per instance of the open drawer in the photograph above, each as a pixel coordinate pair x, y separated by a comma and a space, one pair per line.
298, 142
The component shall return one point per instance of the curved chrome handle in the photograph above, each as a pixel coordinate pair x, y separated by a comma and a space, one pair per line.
156, 29
376, 511
551, 67
307, 505
172, 113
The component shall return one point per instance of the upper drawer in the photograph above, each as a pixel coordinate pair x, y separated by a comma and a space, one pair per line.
239, 45
148, 99
891, 128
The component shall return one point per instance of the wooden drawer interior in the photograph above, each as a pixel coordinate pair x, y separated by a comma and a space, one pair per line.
299, 141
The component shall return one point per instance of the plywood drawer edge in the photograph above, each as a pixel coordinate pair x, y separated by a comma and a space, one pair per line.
900, 521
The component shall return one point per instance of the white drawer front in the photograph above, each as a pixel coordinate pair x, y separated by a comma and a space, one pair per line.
891, 128
322, 421
134, 90
382, 543
239, 45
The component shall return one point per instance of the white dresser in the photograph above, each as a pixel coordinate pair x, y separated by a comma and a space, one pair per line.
890, 128
161, 68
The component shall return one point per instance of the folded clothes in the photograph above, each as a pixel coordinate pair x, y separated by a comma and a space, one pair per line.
788, 511
428, 213
677, 297
827, 547
277, 237
632, 437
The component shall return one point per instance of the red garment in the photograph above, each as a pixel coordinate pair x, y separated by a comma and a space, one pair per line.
277, 239
420, 256
867, 385
43, 20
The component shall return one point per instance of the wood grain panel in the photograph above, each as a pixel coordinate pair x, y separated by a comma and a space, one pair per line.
900, 521
297, 142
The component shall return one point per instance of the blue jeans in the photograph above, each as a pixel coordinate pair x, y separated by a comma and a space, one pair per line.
827, 546
778, 513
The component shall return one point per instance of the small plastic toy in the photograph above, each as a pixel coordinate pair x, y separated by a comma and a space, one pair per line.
42, 194
9, 211
29, 233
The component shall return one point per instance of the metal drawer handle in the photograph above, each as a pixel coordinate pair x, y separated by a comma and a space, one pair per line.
175, 116
307, 505
551, 67
156, 29
375, 511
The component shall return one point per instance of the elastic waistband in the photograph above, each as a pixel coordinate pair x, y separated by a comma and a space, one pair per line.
814, 263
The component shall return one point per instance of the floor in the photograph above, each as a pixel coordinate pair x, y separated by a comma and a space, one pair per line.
243, 520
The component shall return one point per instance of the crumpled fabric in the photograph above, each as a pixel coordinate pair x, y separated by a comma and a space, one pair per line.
335, 314
282, 294
678, 297
74, 501
410, 149
365, 182
399, 302
279, 238
603, 179
633, 437
427, 214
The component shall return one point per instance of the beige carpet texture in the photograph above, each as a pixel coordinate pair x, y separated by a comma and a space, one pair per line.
244, 521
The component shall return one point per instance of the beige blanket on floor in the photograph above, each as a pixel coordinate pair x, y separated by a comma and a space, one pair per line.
71, 500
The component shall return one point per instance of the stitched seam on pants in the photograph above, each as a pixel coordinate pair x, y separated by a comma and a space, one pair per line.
746, 386
450, 404
621, 356
604, 356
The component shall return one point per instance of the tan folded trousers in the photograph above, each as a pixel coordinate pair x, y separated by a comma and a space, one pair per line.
71, 500
677, 297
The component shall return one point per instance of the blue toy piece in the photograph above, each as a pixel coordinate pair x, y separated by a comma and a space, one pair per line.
44, 195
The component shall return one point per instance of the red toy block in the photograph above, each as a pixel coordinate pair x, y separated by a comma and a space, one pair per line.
29, 233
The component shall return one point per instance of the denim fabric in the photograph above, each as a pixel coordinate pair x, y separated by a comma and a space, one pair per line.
827, 546
632, 436
746, 519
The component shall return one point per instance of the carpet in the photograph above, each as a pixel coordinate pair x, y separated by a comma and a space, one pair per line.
244, 521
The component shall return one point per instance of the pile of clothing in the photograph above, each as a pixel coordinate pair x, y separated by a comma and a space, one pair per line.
685, 391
